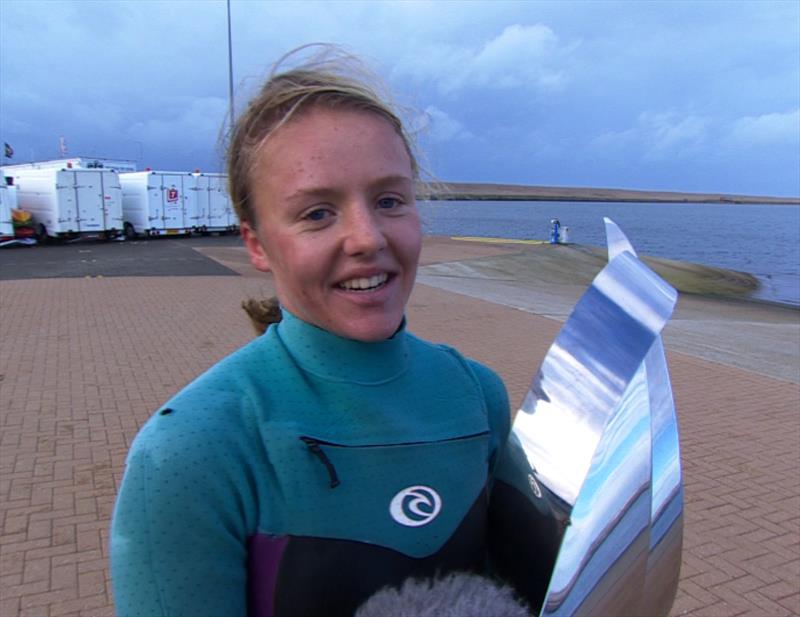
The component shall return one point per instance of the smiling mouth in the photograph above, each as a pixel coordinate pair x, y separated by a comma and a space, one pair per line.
365, 284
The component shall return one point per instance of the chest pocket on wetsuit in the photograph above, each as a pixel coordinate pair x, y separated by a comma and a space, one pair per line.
410, 497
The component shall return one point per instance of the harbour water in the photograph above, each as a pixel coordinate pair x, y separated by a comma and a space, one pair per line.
763, 240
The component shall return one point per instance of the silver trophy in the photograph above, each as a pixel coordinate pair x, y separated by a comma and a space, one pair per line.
586, 515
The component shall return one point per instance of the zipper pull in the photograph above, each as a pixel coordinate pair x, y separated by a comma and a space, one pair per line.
313, 445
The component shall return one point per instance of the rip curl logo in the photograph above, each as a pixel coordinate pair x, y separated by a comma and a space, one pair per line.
415, 506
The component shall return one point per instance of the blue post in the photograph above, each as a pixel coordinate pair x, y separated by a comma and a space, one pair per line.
555, 231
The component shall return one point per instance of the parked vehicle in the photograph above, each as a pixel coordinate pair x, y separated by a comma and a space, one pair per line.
158, 203
68, 203
215, 212
6, 224
8, 201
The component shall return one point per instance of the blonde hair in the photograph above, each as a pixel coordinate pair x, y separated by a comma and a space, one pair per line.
332, 79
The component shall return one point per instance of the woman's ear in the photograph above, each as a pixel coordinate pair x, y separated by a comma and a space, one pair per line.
258, 256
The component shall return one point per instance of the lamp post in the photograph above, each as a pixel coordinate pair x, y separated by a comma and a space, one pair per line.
230, 68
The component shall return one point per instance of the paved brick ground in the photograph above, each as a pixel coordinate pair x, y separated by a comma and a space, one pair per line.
84, 362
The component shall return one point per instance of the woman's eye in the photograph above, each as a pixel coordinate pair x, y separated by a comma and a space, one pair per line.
386, 203
320, 214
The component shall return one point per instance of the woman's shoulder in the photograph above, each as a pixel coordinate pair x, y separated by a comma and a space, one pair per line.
216, 406
485, 375
491, 386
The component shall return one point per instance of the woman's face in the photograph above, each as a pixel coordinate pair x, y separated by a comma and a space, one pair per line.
336, 221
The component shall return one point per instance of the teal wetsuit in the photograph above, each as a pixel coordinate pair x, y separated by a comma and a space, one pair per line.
304, 472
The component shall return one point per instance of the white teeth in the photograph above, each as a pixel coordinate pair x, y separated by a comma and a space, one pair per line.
361, 284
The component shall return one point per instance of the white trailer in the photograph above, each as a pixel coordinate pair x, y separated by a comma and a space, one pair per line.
215, 211
7, 202
70, 202
159, 202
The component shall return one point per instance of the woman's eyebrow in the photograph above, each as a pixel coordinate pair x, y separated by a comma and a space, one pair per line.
392, 180
330, 192
321, 192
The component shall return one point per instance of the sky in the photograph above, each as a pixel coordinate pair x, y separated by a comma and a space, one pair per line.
688, 96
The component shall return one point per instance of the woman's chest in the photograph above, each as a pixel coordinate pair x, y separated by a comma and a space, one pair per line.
346, 519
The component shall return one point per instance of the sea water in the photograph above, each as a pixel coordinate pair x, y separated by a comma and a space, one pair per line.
763, 240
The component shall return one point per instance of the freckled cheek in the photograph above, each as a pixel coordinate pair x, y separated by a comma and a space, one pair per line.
303, 264
412, 241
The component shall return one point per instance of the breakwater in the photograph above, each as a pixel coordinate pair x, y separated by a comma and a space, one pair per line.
466, 191
762, 240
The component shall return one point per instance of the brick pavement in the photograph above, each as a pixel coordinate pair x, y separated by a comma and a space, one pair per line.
84, 362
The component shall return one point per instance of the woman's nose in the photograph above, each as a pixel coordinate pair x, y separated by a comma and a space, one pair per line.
363, 233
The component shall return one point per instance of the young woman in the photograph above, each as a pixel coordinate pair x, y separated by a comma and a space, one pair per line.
337, 453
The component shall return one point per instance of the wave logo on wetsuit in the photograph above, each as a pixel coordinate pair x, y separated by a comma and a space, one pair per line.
415, 506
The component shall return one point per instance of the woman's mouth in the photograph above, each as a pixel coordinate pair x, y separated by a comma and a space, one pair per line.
365, 283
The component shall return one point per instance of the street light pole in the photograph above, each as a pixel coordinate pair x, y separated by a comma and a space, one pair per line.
230, 68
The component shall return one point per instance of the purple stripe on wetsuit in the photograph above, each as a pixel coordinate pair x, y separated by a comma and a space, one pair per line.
264, 555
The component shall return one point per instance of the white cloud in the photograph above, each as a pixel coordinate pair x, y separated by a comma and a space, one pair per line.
519, 57
670, 132
773, 129
439, 126
658, 135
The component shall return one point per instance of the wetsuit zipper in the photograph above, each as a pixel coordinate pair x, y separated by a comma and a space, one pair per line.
314, 446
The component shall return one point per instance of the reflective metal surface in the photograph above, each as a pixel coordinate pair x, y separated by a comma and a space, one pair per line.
666, 512
586, 515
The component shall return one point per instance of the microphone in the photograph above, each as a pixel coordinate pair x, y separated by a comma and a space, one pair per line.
455, 595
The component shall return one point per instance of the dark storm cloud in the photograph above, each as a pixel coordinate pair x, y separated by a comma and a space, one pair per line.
691, 95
